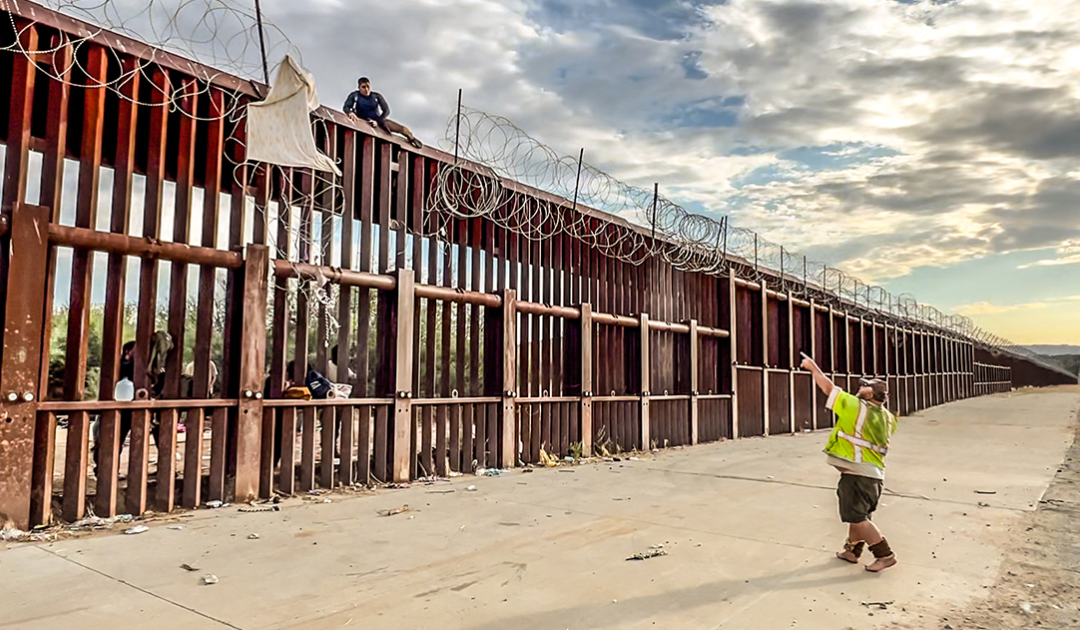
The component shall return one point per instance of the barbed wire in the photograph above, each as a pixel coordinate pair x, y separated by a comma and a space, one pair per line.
224, 36
491, 153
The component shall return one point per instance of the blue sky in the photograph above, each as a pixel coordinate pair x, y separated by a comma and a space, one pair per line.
931, 146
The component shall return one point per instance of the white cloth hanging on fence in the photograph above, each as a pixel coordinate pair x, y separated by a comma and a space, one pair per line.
279, 128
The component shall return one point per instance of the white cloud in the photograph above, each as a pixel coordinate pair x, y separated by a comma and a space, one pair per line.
1068, 254
987, 308
974, 105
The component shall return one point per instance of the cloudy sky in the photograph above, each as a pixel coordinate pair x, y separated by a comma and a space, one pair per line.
932, 146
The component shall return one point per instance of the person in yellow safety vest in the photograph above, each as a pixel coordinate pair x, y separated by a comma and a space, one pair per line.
857, 448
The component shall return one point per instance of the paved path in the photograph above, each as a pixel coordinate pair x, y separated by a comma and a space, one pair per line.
750, 528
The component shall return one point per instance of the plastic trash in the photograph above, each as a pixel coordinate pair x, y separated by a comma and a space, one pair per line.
645, 555
253, 536
12, 534
210, 579
138, 529
124, 390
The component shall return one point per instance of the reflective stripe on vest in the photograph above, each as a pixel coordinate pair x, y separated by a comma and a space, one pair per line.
858, 441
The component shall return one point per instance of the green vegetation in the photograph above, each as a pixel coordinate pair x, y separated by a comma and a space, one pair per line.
58, 342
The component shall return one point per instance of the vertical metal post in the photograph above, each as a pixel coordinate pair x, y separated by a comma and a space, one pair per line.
507, 435
262, 43
791, 365
813, 355
695, 353
765, 410
646, 441
755, 256
457, 131
725, 227
21, 365
403, 376
733, 320
252, 362
783, 281
577, 181
586, 378
655, 208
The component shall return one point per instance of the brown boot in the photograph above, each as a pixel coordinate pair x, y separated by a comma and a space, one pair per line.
883, 557
852, 551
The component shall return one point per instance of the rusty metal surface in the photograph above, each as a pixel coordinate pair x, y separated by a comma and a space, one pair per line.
714, 419
253, 358
751, 393
558, 282
21, 363
306, 271
149, 248
779, 402
803, 402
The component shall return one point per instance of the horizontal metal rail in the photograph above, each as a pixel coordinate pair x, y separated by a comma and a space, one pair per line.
611, 399
97, 406
538, 400
473, 400
112, 243
566, 312
344, 277
327, 402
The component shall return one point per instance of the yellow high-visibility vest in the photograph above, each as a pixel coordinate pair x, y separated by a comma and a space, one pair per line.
862, 430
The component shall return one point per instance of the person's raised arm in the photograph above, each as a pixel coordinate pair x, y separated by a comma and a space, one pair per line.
823, 382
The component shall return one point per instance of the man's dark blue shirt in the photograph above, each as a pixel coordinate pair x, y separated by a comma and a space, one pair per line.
372, 107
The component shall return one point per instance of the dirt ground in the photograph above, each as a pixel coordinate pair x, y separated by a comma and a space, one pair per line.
976, 508
1039, 583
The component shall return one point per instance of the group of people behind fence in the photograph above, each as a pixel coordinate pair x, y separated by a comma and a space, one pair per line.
362, 105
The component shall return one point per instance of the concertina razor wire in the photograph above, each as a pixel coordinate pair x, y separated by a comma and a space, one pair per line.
492, 149
491, 153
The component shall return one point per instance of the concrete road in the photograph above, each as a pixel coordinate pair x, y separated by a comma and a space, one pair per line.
750, 528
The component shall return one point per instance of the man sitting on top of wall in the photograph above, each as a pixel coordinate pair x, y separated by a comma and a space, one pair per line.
363, 104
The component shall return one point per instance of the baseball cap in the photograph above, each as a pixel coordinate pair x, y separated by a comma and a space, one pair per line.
880, 387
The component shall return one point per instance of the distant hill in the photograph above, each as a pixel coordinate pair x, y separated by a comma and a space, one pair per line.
1053, 350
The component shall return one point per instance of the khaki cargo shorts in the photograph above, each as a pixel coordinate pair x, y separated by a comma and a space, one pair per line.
858, 497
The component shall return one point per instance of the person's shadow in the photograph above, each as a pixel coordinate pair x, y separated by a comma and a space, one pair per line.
634, 609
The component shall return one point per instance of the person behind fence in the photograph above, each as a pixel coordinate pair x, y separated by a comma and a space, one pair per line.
857, 448
125, 383
289, 390
332, 371
363, 104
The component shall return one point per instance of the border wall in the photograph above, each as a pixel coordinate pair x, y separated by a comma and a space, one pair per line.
127, 211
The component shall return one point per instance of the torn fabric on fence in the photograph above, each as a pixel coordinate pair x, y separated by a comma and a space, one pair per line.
279, 128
